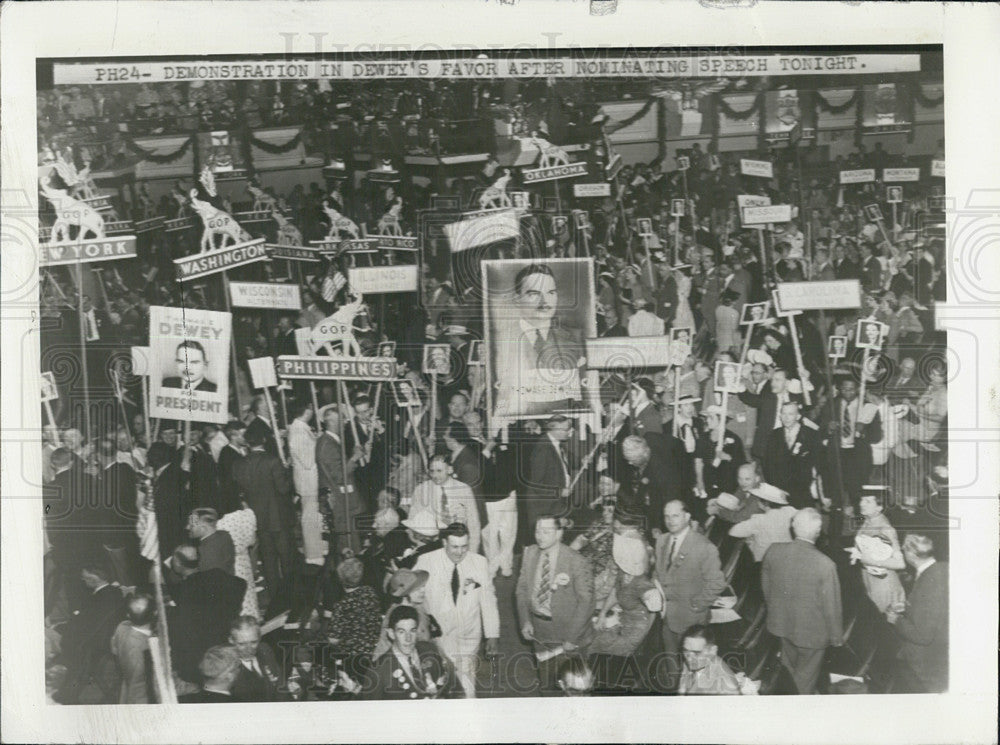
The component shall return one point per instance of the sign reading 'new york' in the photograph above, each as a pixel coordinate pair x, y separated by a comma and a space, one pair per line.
83, 252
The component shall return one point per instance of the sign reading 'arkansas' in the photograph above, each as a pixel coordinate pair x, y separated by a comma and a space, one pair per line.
221, 259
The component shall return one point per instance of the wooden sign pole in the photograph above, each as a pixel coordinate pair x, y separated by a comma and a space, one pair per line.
677, 395
83, 351
798, 359
145, 408
649, 263
864, 383
48, 413
677, 239
315, 401
416, 436
274, 426
722, 425
434, 406
232, 344
347, 400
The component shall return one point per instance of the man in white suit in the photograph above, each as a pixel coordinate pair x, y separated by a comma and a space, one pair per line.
460, 595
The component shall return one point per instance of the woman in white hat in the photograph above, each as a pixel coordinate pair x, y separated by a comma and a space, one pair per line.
407, 587
774, 525
619, 634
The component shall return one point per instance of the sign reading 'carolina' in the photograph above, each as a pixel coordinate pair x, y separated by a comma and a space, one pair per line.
211, 262
336, 368
84, 252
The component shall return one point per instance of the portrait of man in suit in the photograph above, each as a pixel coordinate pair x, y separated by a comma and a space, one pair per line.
837, 347
192, 365
538, 315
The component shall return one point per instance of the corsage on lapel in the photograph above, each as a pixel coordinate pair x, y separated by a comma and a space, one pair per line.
470, 585
560, 580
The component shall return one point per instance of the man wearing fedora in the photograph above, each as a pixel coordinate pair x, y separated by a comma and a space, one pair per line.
773, 525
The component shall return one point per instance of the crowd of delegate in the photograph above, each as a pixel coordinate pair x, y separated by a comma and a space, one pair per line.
794, 556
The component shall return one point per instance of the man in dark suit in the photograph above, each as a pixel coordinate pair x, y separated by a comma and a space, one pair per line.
768, 404
823, 270
170, 495
260, 677
549, 472
857, 426
790, 454
649, 483
229, 456
688, 569
343, 503
192, 364
410, 669
844, 265
205, 605
922, 622
645, 417
905, 385
215, 547
368, 448
467, 463
802, 593
260, 427
219, 668
204, 472
871, 269
539, 350
555, 596
266, 487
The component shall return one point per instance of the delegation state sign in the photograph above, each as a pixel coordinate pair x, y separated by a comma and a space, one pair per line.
294, 367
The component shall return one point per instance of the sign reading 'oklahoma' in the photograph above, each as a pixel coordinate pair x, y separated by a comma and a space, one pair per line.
570, 170
211, 262
336, 368
83, 252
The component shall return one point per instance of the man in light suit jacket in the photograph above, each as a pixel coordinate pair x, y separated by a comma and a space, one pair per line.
802, 593
555, 597
688, 569
460, 596
922, 622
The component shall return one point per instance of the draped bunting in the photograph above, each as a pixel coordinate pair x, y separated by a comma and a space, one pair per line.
269, 147
154, 157
612, 127
830, 108
731, 113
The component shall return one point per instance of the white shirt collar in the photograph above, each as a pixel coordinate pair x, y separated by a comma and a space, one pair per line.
921, 569
530, 331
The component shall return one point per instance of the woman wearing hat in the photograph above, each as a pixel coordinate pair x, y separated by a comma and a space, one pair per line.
406, 587
620, 633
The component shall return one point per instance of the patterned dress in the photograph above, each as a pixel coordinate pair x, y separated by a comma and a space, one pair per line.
598, 552
356, 621
635, 618
242, 526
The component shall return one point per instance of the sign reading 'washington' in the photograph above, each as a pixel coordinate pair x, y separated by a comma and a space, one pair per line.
211, 262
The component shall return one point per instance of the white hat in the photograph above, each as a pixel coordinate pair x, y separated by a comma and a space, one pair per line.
424, 522
757, 356
770, 493
728, 501
630, 554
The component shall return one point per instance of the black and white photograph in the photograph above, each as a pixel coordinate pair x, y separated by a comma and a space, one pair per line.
870, 334
836, 347
447, 499
755, 313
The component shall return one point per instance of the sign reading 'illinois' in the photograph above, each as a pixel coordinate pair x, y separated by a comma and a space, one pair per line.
336, 368
221, 259
569, 170
83, 252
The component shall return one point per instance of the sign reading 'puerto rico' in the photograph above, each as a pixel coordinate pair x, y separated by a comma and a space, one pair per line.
211, 262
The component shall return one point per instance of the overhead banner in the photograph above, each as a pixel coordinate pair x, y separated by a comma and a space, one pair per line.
221, 259
87, 251
189, 364
762, 168
859, 176
375, 279
900, 174
478, 231
840, 294
293, 367
265, 295
607, 66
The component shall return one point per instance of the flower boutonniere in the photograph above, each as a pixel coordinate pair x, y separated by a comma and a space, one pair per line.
560, 580
470, 585
797, 448
645, 482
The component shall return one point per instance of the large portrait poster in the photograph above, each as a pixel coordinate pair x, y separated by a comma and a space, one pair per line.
538, 314
189, 364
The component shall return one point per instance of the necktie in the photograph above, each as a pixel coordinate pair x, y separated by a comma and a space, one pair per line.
789, 439
454, 584
544, 593
670, 551
688, 434
445, 511
845, 424
539, 349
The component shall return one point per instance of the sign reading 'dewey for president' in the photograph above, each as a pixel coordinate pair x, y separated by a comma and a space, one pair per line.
221, 259
569, 170
374, 279
295, 367
84, 252
265, 295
